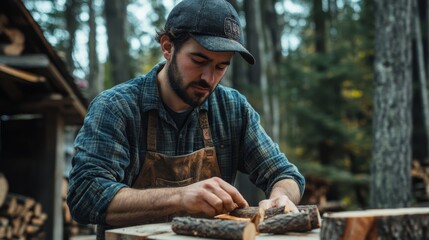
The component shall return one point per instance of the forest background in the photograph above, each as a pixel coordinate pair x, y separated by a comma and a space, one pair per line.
316, 82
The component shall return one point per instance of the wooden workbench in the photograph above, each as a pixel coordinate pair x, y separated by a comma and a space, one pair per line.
162, 231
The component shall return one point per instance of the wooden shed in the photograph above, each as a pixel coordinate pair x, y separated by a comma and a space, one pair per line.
38, 99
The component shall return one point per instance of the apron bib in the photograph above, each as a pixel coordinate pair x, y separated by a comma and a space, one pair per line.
162, 171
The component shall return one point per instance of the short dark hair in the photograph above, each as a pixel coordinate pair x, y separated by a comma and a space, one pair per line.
177, 36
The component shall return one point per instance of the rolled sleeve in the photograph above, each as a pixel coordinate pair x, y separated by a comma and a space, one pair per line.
264, 161
99, 162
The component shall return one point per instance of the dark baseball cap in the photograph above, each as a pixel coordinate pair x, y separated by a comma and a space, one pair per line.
214, 24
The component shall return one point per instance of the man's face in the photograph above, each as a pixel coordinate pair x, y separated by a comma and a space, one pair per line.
194, 72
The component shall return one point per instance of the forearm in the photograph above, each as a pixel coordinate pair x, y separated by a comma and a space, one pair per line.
286, 187
132, 206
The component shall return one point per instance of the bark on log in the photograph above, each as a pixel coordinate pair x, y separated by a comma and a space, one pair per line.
214, 228
248, 212
4, 187
256, 219
400, 223
288, 222
313, 211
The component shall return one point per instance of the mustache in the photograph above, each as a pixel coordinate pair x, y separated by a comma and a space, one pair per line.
202, 83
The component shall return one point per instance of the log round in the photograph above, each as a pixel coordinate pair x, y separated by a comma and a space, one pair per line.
400, 223
214, 228
284, 223
4, 187
313, 211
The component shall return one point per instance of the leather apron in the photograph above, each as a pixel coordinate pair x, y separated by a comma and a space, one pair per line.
161, 171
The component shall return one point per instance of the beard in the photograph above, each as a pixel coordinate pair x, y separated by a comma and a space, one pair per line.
175, 79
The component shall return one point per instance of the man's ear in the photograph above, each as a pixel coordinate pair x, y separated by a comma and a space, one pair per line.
166, 47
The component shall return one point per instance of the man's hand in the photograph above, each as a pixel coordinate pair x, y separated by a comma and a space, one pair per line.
284, 193
278, 202
211, 196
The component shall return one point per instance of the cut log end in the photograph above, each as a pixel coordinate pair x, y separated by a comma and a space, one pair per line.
402, 223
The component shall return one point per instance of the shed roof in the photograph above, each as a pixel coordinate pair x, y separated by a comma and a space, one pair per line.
36, 79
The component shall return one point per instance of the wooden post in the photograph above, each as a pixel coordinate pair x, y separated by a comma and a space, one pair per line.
53, 173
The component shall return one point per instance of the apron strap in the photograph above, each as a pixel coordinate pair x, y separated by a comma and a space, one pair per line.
151, 130
204, 124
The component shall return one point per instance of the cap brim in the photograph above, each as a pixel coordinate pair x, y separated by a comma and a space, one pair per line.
221, 44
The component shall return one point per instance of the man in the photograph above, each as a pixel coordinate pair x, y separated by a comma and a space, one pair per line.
170, 143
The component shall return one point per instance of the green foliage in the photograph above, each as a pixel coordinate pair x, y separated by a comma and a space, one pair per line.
327, 96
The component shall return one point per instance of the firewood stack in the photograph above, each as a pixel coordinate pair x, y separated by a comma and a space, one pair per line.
21, 217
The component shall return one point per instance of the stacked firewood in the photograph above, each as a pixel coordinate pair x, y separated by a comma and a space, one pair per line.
21, 217
246, 223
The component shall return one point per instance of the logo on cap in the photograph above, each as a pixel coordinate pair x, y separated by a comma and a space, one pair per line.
232, 29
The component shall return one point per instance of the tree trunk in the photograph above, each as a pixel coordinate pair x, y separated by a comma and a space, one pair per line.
319, 26
71, 12
258, 72
253, 39
94, 83
238, 67
391, 164
116, 25
273, 47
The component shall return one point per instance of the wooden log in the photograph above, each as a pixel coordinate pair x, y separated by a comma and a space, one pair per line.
12, 206
401, 223
248, 212
3, 230
4, 187
258, 217
31, 229
214, 228
286, 222
4, 221
16, 38
314, 213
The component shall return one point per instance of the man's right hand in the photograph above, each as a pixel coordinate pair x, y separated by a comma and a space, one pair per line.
211, 196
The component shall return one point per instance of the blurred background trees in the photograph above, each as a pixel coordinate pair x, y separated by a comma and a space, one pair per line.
313, 83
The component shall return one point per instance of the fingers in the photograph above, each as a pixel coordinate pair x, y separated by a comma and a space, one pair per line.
225, 197
212, 196
234, 194
278, 202
265, 204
